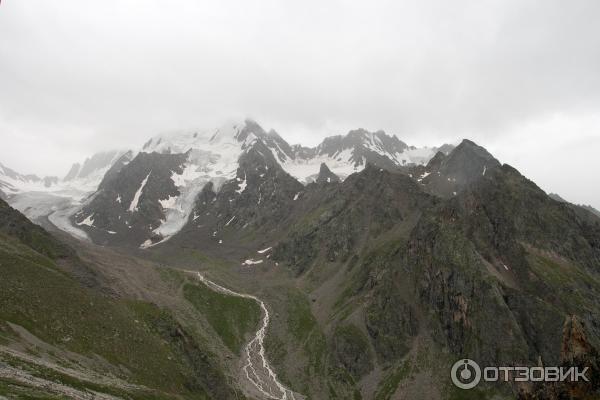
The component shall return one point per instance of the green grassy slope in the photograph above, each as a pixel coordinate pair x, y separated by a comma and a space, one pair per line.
134, 341
232, 318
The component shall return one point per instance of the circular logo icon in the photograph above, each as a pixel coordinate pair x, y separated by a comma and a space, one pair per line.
465, 374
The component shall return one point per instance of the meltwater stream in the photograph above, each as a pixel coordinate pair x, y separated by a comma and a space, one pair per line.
256, 367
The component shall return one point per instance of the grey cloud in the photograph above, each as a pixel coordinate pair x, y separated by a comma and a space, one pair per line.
79, 76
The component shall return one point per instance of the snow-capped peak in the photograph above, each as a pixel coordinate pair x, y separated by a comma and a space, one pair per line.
212, 156
347, 154
182, 141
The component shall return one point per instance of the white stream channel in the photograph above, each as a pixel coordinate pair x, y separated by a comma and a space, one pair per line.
256, 366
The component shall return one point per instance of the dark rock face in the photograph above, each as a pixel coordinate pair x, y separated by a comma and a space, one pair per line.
271, 140
491, 274
500, 225
576, 351
114, 170
592, 210
447, 175
580, 209
351, 349
507, 208
392, 323
450, 279
446, 148
436, 162
326, 176
257, 200
575, 345
337, 225
126, 208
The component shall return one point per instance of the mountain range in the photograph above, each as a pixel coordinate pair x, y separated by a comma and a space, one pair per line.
147, 195
229, 264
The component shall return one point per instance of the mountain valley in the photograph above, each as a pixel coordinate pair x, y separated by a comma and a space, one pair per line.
229, 264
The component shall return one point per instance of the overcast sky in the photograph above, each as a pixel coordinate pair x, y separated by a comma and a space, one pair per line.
521, 78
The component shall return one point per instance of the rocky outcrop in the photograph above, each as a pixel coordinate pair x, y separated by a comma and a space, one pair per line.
126, 208
391, 323
337, 225
576, 351
447, 175
326, 176
351, 349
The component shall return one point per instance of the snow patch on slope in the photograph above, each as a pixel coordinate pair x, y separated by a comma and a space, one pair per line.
61, 219
89, 221
242, 186
252, 262
133, 207
414, 155
307, 170
170, 203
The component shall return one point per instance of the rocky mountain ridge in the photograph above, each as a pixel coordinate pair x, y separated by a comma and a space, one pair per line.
182, 165
375, 282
